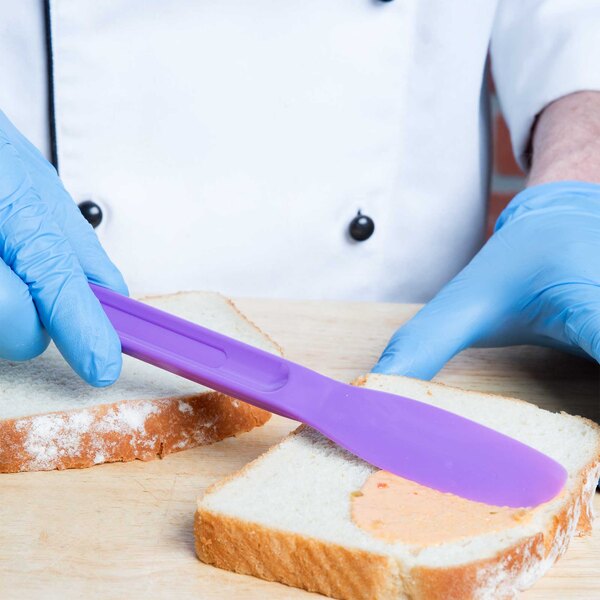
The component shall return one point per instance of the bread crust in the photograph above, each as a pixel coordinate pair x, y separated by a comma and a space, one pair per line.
122, 431
126, 430
353, 574
292, 559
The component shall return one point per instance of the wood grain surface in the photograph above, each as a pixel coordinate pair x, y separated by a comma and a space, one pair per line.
125, 530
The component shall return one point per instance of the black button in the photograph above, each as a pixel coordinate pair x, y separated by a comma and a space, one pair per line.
361, 227
91, 212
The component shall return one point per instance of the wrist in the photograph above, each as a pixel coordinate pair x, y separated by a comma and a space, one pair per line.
566, 140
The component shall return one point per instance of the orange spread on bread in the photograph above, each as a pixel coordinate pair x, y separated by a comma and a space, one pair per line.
398, 510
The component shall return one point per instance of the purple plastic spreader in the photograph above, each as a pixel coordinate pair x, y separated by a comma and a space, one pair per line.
431, 446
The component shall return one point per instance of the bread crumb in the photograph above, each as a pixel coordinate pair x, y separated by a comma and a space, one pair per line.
184, 407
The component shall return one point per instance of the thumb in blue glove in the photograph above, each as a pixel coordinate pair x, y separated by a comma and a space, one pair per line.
536, 281
48, 253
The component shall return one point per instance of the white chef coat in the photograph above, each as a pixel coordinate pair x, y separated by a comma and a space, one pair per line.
229, 144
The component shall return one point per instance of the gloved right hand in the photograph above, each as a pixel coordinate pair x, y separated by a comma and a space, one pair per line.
48, 253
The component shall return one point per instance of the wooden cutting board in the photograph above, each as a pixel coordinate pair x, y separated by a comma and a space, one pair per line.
125, 530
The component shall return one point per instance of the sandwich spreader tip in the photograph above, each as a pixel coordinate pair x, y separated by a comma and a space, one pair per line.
414, 440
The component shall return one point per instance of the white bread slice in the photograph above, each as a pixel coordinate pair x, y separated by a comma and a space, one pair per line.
50, 419
286, 516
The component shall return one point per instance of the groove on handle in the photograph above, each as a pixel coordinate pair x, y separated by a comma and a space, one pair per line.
191, 350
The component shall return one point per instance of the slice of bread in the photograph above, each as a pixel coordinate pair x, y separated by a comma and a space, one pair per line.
287, 516
50, 419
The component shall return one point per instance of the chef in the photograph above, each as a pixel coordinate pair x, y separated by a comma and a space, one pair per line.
315, 149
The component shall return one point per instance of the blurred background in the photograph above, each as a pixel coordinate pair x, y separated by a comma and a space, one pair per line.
507, 177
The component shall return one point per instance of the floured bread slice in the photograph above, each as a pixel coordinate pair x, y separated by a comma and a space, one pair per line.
50, 419
311, 515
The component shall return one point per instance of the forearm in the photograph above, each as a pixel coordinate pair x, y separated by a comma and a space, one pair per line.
566, 140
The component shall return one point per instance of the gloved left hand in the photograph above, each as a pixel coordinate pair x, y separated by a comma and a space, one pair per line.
536, 281
48, 254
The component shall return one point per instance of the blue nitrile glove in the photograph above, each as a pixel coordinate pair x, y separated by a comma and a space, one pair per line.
48, 252
536, 281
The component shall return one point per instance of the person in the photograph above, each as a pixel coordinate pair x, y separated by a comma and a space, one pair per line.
316, 149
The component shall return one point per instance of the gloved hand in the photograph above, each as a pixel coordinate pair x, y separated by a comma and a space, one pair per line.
536, 281
48, 253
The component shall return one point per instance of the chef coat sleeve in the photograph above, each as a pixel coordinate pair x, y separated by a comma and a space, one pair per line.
542, 50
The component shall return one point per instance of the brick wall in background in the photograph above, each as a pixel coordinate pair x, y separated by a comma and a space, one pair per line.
507, 177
